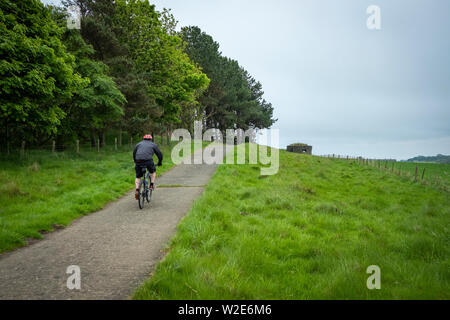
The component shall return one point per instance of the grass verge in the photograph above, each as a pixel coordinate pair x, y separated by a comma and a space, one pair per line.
308, 232
43, 192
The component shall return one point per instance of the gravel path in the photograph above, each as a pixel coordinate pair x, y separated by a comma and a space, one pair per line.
116, 248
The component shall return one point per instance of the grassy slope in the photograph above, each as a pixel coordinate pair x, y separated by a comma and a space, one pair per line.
308, 232
44, 191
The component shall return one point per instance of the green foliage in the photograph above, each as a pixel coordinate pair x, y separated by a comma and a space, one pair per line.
308, 232
36, 71
101, 28
127, 68
172, 78
100, 102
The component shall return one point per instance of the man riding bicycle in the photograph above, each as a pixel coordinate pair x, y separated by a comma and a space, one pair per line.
143, 158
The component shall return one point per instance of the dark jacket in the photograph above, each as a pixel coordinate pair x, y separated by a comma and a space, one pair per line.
144, 150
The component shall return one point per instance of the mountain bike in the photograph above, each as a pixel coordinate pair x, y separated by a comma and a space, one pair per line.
145, 192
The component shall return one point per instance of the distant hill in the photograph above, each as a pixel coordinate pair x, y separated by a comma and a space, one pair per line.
440, 158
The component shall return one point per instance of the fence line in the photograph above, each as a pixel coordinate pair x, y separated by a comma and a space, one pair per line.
382, 165
115, 144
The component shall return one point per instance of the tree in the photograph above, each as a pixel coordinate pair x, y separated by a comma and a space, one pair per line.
96, 105
204, 51
100, 103
172, 80
36, 71
233, 98
127, 68
104, 25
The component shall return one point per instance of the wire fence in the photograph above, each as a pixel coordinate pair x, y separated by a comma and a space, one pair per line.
108, 145
426, 173
432, 174
73, 147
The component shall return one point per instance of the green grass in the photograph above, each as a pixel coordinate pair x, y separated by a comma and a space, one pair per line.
309, 232
43, 192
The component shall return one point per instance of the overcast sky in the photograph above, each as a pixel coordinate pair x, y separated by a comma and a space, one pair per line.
334, 83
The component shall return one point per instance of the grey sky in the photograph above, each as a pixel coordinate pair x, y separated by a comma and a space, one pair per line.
334, 83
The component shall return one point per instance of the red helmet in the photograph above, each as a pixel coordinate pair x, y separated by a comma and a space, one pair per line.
148, 137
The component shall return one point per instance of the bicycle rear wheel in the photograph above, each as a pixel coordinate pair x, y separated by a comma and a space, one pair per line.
141, 199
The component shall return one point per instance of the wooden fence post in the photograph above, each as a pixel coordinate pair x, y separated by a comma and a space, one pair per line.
131, 141
78, 146
53, 146
423, 173
415, 175
115, 142
98, 144
120, 137
22, 149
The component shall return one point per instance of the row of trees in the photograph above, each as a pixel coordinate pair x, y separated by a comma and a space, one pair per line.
234, 99
127, 69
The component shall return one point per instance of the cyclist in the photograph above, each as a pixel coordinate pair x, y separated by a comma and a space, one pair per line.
143, 158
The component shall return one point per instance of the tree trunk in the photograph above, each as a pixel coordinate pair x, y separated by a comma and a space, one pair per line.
93, 138
6, 136
101, 137
59, 142
168, 136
